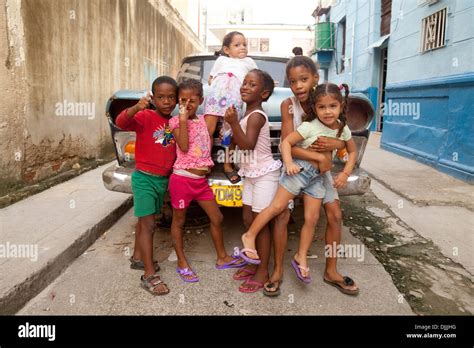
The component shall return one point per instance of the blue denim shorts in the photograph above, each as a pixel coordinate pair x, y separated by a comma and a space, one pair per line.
331, 193
309, 181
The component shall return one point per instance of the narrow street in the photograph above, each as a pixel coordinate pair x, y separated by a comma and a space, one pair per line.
101, 282
402, 265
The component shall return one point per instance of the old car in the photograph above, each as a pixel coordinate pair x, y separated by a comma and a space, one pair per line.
117, 177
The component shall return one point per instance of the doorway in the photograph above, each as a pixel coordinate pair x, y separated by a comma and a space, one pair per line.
382, 84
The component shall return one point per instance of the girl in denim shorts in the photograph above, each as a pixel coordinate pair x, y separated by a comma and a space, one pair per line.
327, 118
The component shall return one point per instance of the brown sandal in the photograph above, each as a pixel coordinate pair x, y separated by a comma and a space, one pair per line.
152, 282
347, 282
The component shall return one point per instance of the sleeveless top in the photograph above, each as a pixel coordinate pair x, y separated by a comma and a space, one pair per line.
298, 112
259, 161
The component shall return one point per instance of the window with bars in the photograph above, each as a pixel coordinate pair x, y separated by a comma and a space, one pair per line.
433, 31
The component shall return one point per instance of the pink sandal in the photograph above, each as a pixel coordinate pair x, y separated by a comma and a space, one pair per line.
250, 290
248, 274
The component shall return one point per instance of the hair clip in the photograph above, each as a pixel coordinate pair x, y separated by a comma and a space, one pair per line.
341, 87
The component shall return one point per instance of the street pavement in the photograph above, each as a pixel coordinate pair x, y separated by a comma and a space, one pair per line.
101, 282
436, 205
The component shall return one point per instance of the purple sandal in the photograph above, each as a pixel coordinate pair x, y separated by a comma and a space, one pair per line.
183, 272
297, 267
237, 262
249, 259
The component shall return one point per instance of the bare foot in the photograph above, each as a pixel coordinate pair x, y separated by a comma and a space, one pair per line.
339, 280
249, 243
245, 272
228, 258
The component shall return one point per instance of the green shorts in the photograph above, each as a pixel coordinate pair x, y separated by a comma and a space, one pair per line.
148, 193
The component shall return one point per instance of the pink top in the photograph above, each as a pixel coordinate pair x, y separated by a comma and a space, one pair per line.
199, 147
259, 161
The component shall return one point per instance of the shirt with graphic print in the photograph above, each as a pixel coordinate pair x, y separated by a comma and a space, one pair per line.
199, 149
155, 149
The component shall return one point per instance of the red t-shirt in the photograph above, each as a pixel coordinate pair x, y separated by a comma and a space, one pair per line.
155, 149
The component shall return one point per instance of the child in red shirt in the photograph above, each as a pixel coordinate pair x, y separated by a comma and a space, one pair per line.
155, 152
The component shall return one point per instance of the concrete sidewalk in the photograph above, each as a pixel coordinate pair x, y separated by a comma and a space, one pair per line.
436, 205
43, 234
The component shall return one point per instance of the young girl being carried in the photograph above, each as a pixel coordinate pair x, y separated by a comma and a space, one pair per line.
326, 118
261, 171
225, 80
188, 181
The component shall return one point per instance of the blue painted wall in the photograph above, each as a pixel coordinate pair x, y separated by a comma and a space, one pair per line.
439, 82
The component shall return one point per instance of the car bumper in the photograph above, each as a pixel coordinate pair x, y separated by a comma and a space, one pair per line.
118, 178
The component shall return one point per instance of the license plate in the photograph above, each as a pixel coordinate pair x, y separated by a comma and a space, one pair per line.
228, 196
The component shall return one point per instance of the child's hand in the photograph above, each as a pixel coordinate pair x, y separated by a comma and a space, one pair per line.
183, 110
324, 165
293, 169
341, 180
231, 115
144, 102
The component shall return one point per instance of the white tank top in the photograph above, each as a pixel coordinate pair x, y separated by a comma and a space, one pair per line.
298, 112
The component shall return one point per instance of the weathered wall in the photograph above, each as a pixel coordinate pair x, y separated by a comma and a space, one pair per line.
57, 54
12, 96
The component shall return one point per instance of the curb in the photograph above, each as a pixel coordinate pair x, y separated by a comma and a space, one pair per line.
23, 292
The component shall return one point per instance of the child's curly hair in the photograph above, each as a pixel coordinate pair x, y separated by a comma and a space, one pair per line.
334, 91
268, 83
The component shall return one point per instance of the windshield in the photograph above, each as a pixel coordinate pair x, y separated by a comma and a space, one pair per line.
200, 69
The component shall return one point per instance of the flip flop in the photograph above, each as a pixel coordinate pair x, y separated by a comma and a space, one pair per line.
249, 273
249, 259
272, 285
297, 267
347, 281
250, 282
229, 176
182, 272
237, 262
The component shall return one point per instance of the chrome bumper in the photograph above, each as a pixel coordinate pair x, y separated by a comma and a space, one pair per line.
119, 179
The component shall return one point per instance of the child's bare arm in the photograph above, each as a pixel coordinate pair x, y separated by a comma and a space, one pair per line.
245, 141
319, 160
342, 177
286, 148
181, 133
325, 144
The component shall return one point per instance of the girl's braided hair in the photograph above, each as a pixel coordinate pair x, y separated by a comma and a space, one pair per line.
335, 91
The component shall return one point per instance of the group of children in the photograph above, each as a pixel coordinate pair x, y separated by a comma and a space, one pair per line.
312, 121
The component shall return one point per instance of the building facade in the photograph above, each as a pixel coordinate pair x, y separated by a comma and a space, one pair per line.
414, 60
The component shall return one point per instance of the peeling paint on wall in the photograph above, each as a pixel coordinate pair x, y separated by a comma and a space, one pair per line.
76, 54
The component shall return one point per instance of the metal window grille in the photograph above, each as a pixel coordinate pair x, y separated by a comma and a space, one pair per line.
433, 32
